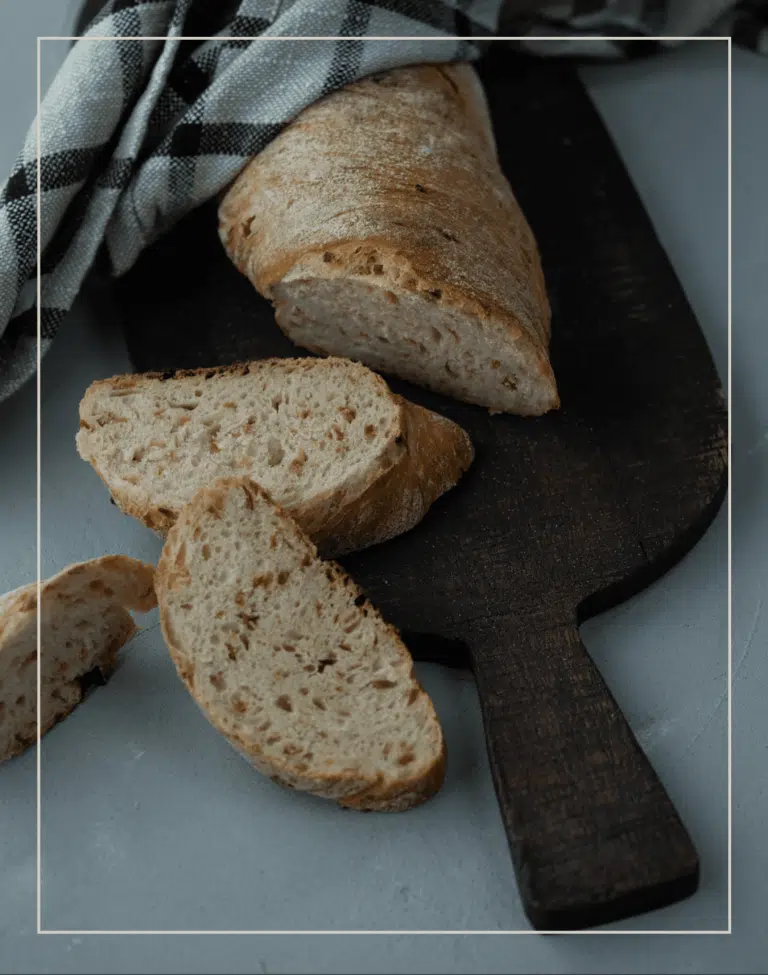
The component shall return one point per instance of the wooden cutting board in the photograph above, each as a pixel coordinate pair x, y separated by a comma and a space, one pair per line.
559, 518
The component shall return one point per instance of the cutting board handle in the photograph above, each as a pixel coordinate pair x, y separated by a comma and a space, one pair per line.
594, 835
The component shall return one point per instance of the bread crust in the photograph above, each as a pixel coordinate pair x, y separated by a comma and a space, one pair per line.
116, 580
425, 455
375, 794
394, 181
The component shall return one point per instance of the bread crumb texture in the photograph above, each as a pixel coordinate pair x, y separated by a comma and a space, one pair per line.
324, 437
288, 659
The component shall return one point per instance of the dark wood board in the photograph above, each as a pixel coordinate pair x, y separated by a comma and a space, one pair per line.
559, 518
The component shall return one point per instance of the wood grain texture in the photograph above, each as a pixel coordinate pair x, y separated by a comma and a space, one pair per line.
591, 828
558, 518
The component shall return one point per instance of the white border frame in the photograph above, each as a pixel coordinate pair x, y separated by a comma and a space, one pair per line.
528, 931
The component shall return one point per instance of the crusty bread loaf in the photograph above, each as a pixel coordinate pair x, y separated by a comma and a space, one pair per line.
84, 620
382, 228
353, 463
288, 660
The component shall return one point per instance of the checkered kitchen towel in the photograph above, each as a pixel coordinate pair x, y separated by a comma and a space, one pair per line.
135, 133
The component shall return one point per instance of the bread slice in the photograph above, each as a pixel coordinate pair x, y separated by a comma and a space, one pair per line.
352, 462
84, 620
382, 228
288, 660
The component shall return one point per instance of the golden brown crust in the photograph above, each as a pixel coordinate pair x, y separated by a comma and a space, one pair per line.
345, 788
396, 178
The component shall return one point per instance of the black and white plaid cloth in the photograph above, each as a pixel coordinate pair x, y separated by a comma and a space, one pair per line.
135, 133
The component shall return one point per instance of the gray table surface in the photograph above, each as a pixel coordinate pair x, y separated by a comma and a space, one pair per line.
151, 821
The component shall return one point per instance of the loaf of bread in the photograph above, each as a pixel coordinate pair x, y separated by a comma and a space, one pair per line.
382, 228
352, 462
84, 620
288, 660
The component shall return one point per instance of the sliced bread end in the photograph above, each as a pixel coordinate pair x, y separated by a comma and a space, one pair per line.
84, 621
